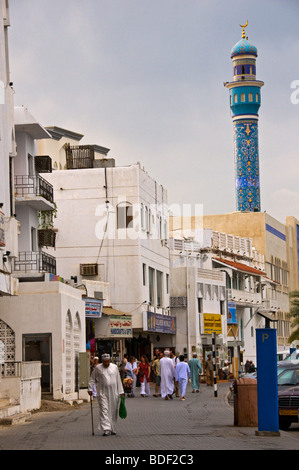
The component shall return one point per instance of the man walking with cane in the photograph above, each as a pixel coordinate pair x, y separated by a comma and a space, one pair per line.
109, 388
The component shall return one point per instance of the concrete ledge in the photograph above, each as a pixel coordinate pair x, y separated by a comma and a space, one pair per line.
267, 433
15, 419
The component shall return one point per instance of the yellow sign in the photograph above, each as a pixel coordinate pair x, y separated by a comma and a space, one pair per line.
212, 323
288, 412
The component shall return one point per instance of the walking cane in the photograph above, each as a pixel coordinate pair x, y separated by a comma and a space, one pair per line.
91, 415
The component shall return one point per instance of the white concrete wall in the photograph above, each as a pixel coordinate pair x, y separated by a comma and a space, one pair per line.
42, 307
7, 137
81, 218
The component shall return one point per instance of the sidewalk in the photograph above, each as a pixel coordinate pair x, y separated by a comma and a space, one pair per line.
201, 422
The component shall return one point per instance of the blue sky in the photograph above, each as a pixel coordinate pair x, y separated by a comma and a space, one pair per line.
145, 79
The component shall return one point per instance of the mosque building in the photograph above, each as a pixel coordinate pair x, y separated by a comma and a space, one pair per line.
245, 101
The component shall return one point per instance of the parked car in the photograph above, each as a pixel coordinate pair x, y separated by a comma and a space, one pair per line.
281, 367
288, 406
294, 357
288, 377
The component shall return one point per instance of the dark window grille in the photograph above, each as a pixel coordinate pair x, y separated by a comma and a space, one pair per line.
81, 156
29, 261
35, 185
43, 164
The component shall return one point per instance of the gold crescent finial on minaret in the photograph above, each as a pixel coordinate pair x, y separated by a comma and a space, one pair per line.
244, 26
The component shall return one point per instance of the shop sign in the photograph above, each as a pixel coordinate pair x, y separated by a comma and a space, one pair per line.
2, 229
158, 323
121, 326
231, 313
93, 308
212, 323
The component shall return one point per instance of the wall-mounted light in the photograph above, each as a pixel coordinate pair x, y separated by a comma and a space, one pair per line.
6, 254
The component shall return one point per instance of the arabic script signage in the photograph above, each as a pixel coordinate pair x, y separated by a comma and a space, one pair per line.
158, 323
121, 326
93, 308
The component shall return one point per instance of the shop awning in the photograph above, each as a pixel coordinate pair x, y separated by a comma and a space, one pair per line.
113, 311
239, 266
266, 315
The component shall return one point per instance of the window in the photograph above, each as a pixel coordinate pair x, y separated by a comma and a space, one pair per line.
159, 276
257, 97
142, 217
250, 98
167, 283
236, 98
144, 274
242, 97
30, 165
146, 219
124, 215
33, 239
151, 281
200, 305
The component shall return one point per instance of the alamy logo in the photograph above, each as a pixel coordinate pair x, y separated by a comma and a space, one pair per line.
295, 93
2, 92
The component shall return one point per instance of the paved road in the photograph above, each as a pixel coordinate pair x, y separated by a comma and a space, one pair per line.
202, 422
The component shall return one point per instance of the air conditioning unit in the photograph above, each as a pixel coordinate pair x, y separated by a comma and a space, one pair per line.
43, 164
89, 269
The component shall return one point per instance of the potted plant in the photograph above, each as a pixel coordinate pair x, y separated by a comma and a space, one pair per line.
46, 232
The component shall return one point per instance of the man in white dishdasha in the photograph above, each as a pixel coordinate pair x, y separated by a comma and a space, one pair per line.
167, 372
109, 388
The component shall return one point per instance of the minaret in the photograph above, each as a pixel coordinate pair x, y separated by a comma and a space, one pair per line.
245, 100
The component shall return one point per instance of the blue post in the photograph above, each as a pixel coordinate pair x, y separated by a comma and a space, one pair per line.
267, 388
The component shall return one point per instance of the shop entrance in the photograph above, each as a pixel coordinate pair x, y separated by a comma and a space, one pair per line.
139, 346
38, 347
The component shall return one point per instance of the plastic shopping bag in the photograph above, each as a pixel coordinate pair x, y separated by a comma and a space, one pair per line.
122, 408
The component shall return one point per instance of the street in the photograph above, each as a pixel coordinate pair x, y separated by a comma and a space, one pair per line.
201, 422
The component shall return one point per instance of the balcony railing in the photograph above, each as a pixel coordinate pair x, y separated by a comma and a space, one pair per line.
81, 156
10, 369
270, 304
32, 261
26, 185
244, 297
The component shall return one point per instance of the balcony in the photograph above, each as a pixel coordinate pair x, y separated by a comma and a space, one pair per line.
77, 157
270, 304
34, 263
35, 191
245, 298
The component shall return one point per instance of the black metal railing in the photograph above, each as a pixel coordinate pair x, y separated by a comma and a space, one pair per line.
35, 185
81, 156
34, 261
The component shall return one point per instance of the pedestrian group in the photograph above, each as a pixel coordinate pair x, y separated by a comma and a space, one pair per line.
170, 373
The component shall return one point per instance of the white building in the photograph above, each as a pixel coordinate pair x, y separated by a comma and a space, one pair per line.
8, 222
111, 226
46, 321
227, 286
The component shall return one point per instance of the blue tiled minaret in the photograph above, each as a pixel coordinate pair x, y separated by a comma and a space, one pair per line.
245, 101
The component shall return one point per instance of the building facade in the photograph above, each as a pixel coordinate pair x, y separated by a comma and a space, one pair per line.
112, 223
8, 222
227, 293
